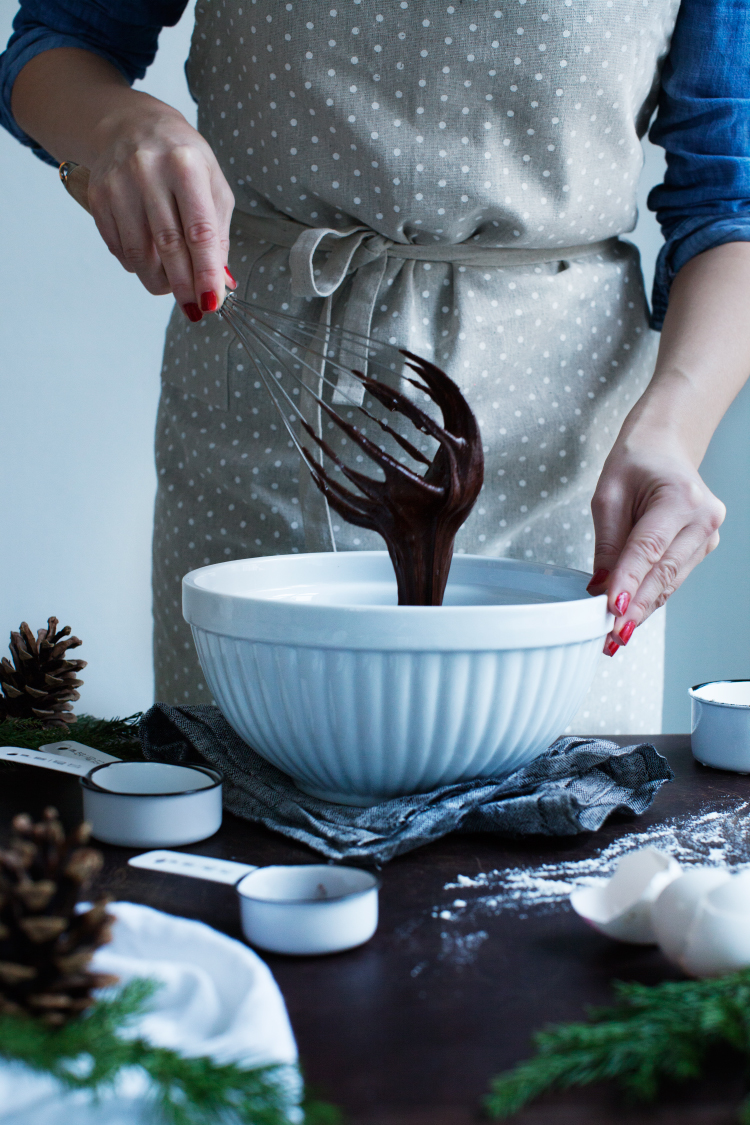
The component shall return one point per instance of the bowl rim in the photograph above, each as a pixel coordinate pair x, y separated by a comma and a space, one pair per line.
88, 782
190, 581
478, 627
377, 883
719, 702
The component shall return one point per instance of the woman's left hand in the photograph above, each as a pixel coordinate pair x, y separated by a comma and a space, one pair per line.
655, 520
654, 517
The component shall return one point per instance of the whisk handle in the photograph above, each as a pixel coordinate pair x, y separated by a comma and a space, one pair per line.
75, 179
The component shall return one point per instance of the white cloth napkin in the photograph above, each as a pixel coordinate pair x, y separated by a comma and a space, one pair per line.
216, 998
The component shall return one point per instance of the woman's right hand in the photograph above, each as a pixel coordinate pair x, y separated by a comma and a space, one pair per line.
159, 198
162, 204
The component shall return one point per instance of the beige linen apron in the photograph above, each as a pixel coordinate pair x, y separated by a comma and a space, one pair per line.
447, 132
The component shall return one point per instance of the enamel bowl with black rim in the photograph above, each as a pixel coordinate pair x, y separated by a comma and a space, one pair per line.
359, 700
720, 727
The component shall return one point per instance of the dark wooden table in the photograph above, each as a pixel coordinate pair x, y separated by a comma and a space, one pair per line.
398, 1032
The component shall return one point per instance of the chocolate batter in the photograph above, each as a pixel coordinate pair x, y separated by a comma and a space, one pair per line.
418, 516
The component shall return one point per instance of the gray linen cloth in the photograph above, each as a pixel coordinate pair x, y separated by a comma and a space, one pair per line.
570, 788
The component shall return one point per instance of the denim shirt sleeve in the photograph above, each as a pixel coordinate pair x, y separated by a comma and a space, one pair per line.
703, 123
125, 32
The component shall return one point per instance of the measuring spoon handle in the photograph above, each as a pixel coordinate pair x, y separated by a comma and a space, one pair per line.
46, 761
195, 866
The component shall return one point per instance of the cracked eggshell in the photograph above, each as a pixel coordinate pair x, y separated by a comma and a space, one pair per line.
620, 907
718, 940
675, 909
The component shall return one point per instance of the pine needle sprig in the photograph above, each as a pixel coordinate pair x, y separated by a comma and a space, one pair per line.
651, 1034
89, 1053
113, 736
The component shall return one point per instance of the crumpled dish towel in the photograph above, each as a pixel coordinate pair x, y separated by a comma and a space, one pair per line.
216, 998
571, 788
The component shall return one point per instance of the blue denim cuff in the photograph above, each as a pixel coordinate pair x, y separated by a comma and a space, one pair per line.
690, 237
12, 62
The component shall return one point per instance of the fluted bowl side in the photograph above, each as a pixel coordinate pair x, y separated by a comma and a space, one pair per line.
360, 700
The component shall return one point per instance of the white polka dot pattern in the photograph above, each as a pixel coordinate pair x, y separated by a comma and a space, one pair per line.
507, 126
519, 122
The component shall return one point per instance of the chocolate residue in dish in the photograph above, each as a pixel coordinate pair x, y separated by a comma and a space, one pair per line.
418, 516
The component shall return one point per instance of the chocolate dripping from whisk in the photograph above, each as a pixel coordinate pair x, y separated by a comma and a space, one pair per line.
417, 516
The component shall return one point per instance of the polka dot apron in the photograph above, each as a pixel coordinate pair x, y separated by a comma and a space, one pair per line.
415, 124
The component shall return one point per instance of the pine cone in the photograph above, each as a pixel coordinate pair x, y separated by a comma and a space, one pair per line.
45, 946
40, 683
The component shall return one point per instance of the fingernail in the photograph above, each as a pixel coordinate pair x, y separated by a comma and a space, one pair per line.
599, 576
611, 647
226, 271
192, 312
622, 601
626, 632
209, 301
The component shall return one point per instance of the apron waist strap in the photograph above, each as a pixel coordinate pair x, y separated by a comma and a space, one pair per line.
364, 253
349, 249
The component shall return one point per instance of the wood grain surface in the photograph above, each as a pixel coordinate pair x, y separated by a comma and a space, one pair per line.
404, 1032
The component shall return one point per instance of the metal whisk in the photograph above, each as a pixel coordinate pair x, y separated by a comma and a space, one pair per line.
417, 512
418, 515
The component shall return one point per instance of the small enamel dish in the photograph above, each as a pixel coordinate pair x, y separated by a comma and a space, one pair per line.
721, 724
138, 804
309, 909
303, 910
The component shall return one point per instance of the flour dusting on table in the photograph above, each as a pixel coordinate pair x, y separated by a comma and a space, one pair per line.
719, 836
461, 949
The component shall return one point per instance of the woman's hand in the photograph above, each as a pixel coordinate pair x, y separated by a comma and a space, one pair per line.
654, 517
159, 198
162, 205
655, 520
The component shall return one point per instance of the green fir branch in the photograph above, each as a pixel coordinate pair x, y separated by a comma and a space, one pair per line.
113, 736
649, 1035
89, 1053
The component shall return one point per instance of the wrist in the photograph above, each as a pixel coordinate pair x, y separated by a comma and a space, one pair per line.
671, 414
77, 105
127, 120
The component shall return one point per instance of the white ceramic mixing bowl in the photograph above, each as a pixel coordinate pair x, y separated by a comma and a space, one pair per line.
359, 699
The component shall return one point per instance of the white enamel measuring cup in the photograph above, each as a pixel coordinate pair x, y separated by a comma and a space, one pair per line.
305, 909
135, 804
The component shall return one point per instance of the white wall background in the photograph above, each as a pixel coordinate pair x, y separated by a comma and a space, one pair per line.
80, 350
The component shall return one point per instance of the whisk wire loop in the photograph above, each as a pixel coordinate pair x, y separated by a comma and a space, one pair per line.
418, 514
257, 331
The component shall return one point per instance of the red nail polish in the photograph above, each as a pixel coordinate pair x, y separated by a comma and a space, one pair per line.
209, 301
627, 632
226, 271
622, 601
610, 648
599, 576
192, 312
